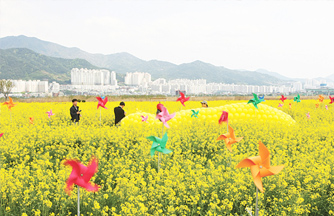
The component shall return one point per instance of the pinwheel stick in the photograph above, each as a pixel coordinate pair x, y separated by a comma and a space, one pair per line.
256, 208
78, 201
100, 117
162, 134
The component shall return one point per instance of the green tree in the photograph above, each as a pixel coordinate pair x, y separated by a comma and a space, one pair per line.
6, 87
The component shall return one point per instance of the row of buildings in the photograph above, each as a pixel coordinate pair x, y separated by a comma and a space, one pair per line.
34, 86
93, 77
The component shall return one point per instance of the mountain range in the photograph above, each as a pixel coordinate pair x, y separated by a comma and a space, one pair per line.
29, 57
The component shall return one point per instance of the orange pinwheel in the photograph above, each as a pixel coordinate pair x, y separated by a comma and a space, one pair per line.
229, 138
321, 98
260, 166
9, 104
317, 105
31, 120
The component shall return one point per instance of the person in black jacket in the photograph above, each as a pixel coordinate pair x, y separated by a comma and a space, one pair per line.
74, 111
119, 113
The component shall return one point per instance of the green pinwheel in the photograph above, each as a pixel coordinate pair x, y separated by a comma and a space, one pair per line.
194, 114
255, 101
297, 99
159, 144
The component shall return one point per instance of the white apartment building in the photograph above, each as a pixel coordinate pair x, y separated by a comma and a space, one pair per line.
32, 86
138, 79
88, 77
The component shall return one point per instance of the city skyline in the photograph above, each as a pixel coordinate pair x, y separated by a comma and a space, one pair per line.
291, 38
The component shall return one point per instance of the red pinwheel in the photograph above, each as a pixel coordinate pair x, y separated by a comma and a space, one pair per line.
163, 115
1, 134
81, 175
332, 99
223, 117
102, 102
283, 98
182, 99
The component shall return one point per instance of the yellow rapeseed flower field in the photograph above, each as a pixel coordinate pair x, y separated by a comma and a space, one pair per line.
198, 178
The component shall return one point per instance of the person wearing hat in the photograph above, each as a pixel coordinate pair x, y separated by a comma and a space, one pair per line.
204, 104
119, 112
74, 111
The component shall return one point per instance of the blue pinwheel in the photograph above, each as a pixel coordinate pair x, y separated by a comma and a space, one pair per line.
159, 144
255, 101
194, 114
262, 98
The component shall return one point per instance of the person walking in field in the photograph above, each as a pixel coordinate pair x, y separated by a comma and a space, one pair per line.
119, 112
204, 104
74, 111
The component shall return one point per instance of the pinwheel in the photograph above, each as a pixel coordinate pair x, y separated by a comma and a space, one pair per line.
326, 107
229, 138
297, 99
182, 99
283, 98
102, 102
159, 145
31, 120
9, 104
317, 105
262, 98
144, 118
81, 176
194, 113
332, 99
308, 115
280, 105
223, 118
260, 166
321, 98
50, 113
1, 134
290, 105
163, 115
255, 101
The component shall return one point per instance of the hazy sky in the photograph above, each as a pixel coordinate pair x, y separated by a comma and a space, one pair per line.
294, 38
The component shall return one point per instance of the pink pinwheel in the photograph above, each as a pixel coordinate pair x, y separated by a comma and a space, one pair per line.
283, 98
163, 115
326, 107
308, 115
332, 99
102, 102
182, 99
144, 119
280, 105
223, 117
50, 113
81, 175
1, 134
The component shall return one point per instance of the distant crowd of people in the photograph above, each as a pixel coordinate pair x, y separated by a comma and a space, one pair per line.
118, 111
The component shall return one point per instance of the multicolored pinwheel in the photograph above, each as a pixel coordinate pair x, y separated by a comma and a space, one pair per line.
297, 99
102, 102
81, 175
229, 138
260, 166
283, 98
159, 144
182, 99
163, 115
262, 98
194, 113
255, 101
290, 105
50, 113
9, 104
31, 120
